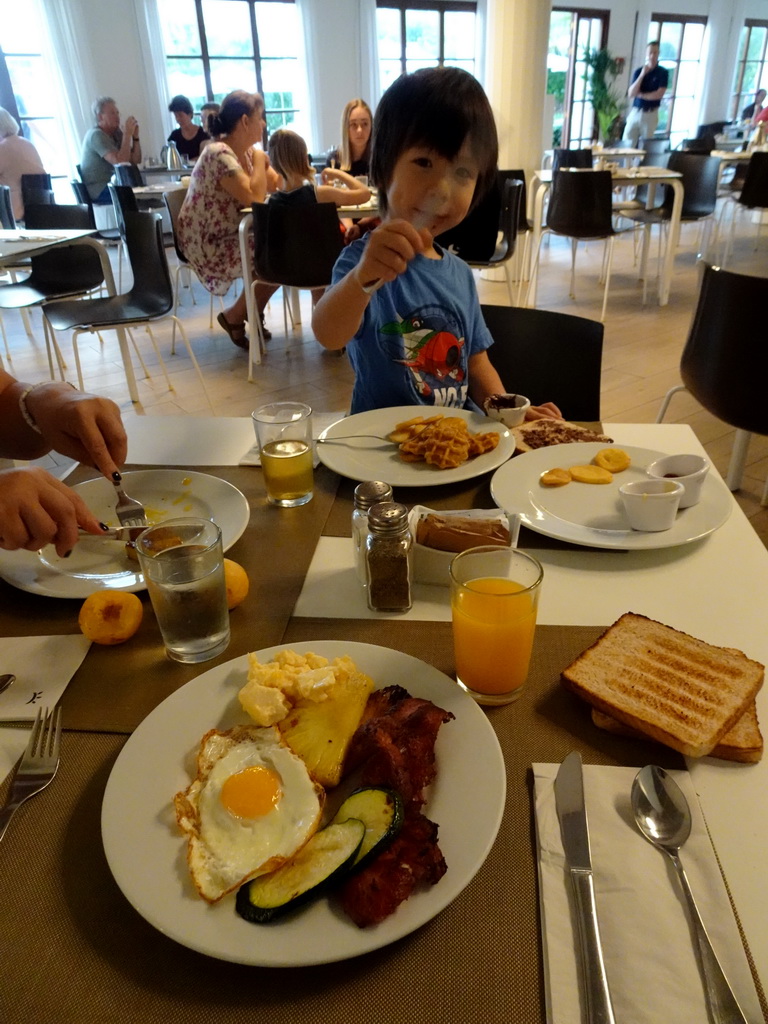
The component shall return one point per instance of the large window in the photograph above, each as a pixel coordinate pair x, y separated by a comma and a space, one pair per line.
32, 87
752, 66
215, 46
572, 33
681, 40
417, 34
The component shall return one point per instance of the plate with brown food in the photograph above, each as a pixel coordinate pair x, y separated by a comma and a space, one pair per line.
567, 492
186, 844
415, 445
101, 563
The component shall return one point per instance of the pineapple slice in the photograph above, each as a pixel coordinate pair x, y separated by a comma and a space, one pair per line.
319, 732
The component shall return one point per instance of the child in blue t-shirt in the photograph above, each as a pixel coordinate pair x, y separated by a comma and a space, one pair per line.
407, 309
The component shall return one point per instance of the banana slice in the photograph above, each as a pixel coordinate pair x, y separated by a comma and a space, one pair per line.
591, 475
615, 460
555, 478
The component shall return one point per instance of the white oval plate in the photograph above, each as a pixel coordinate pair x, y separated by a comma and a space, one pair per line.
101, 564
592, 514
365, 460
147, 853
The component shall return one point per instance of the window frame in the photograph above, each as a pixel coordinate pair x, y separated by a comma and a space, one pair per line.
660, 20
740, 99
576, 68
440, 6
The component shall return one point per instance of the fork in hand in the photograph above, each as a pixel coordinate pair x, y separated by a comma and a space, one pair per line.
37, 766
129, 511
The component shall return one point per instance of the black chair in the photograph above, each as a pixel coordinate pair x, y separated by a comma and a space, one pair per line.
174, 200
129, 175
579, 208
655, 145
7, 220
36, 190
699, 180
486, 238
67, 270
753, 196
703, 145
724, 364
150, 298
548, 357
570, 158
109, 235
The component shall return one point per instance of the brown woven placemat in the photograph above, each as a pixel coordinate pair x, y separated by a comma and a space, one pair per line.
76, 953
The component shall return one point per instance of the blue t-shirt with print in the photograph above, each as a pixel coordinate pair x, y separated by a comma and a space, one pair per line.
417, 334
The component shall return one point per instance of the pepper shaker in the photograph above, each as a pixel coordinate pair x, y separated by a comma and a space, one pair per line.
367, 493
388, 557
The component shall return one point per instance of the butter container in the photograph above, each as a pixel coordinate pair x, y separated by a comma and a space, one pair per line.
431, 565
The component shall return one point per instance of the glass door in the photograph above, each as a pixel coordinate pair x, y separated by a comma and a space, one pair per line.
573, 32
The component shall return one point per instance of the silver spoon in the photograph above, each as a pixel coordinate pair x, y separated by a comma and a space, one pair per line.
6, 680
664, 818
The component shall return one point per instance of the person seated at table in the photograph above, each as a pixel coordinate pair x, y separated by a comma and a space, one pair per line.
188, 136
752, 110
107, 145
35, 508
17, 156
354, 154
289, 159
409, 310
229, 174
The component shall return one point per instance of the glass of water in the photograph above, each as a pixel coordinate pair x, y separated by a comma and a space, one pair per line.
183, 565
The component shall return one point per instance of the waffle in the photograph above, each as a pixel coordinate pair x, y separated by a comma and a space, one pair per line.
479, 444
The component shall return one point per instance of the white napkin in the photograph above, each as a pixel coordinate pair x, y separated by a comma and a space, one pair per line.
320, 422
647, 942
43, 666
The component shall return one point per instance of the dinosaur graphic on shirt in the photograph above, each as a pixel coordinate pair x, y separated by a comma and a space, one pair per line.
434, 355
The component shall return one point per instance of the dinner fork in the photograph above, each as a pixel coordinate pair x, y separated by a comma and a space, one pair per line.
129, 511
37, 766
341, 438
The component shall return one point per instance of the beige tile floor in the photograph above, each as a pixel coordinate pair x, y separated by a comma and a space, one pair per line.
640, 363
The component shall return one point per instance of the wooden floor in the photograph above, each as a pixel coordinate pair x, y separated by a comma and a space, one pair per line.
640, 360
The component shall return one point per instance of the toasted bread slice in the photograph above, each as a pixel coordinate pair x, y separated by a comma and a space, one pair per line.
543, 433
669, 686
743, 742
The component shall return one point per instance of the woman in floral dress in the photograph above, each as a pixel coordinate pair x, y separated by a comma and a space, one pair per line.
229, 175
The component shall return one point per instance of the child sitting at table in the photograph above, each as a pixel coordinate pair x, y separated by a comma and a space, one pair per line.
407, 309
289, 158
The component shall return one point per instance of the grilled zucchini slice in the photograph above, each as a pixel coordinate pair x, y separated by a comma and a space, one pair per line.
317, 865
381, 810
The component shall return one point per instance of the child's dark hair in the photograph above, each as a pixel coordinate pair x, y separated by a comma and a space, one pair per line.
439, 108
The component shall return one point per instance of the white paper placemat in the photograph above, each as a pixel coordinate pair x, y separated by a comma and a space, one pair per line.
320, 421
43, 666
647, 942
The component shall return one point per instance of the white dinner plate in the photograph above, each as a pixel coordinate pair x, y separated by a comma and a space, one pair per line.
592, 514
366, 460
147, 852
101, 564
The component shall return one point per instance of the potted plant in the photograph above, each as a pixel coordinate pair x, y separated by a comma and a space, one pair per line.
601, 72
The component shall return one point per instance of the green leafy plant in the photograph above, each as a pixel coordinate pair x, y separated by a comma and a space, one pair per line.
601, 72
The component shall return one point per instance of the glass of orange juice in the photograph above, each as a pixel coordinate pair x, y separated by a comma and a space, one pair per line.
494, 599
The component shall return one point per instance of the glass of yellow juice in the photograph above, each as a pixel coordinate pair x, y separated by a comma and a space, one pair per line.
494, 600
284, 433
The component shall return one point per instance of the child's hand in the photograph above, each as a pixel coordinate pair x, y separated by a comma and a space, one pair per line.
329, 176
390, 249
547, 411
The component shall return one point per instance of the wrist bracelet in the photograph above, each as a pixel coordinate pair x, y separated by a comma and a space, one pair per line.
27, 415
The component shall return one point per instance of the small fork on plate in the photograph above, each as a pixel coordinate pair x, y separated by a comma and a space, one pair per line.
37, 766
129, 511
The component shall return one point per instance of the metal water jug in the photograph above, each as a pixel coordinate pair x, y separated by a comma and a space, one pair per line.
173, 159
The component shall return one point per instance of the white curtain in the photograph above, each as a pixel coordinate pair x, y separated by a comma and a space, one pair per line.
156, 81
308, 12
369, 53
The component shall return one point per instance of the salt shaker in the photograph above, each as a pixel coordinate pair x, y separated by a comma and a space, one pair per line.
388, 557
368, 493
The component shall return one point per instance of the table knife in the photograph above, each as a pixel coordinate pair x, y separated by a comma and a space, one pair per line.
572, 814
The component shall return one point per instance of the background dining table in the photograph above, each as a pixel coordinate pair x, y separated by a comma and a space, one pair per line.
76, 951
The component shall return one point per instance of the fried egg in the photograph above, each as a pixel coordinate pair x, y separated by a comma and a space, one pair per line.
252, 806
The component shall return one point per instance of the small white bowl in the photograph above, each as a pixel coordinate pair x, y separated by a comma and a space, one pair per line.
511, 415
689, 470
651, 505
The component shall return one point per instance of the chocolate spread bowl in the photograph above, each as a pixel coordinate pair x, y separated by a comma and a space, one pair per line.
507, 409
689, 470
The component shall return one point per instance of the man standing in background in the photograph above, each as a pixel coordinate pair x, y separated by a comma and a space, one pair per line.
106, 145
648, 85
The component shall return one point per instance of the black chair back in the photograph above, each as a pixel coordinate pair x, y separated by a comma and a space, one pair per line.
174, 200
83, 198
655, 145
128, 174
570, 158
658, 159
474, 239
523, 223
124, 201
152, 291
296, 246
703, 145
725, 360
580, 205
36, 189
754, 192
700, 178
7, 220
548, 357
67, 270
